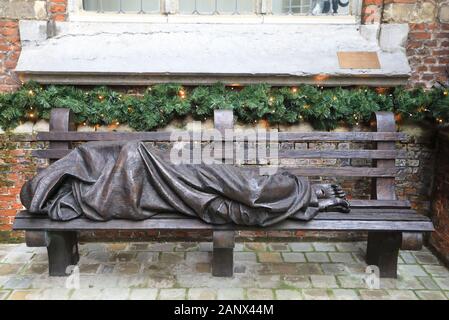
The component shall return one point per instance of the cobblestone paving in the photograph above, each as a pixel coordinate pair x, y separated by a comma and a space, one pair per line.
318, 270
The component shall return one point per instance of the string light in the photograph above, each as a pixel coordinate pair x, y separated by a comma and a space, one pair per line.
306, 106
294, 89
182, 94
445, 93
100, 97
31, 93
334, 98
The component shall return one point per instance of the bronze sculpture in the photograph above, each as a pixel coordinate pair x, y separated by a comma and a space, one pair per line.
132, 180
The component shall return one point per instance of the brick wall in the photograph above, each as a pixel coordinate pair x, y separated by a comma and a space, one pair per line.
440, 238
10, 47
9, 54
428, 41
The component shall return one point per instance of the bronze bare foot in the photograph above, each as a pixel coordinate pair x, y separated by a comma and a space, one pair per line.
338, 204
327, 190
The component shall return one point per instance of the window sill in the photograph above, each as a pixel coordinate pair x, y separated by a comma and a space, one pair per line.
210, 19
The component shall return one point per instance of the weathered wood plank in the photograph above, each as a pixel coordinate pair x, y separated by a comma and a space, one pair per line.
167, 136
335, 172
195, 224
296, 154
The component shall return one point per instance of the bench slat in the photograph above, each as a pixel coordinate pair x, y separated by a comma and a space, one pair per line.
196, 224
297, 154
166, 136
334, 171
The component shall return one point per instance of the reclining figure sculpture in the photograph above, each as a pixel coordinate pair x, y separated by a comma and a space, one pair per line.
132, 180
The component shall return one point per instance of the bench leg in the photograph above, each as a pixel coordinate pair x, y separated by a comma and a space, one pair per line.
62, 251
383, 251
223, 254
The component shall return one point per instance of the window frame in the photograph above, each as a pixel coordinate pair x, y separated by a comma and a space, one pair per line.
170, 14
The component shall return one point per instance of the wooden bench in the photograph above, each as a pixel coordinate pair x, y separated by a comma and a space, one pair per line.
391, 224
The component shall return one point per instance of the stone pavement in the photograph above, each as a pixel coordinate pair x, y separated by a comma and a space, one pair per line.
179, 270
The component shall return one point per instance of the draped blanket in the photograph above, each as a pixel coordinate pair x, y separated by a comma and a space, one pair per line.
132, 180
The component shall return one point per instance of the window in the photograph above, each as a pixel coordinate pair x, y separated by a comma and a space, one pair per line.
223, 7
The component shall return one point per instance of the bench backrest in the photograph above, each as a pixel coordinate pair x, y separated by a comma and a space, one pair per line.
382, 152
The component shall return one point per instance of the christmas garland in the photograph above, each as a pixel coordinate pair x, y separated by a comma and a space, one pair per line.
156, 106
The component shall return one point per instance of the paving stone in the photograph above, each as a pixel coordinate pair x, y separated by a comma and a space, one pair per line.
280, 268
230, 294
138, 246
348, 246
430, 295
54, 294
288, 294
101, 281
407, 257
18, 257
345, 294
443, 283
4, 294
40, 257
344, 257
428, 283
172, 257
293, 257
186, 246
147, 256
426, 258
296, 281
267, 281
18, 282
411, 270
239, 268
114, 294
245, 256
46, 282
166, 247
172, 294
24, 295
86, 294
259, 294
89, 267
264, 257
161, 281
35, 268
201, 294
317, 257
335, 268
196, 257
127, 268
323, 281
402, 295
315, 294
436, 271
107, 268
116, 246
205, 246
9, 268
255, 246
143, 294
408, 283
301, 246
96, 257
352, 281
323, 246
203, 267
368, 294
279, 247
122, 256
239, 247
308, 268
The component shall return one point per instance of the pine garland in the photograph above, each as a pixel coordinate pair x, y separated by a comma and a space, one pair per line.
324, 108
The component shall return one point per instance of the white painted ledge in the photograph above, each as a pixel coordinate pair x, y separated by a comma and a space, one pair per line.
146, 53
